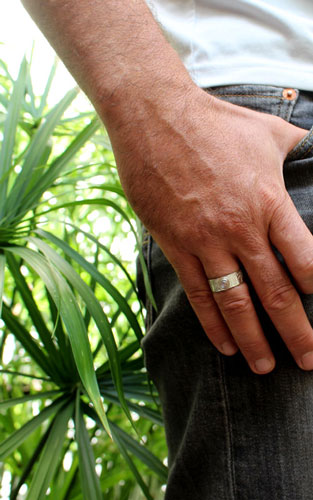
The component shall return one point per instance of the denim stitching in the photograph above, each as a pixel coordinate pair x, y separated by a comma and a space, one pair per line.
308, 151
302, 144
300, 147
284, 115
250, 95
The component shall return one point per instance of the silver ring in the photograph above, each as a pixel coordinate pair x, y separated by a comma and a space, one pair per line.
226, 282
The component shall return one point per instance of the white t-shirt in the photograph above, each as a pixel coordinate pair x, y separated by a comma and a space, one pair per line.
241, 41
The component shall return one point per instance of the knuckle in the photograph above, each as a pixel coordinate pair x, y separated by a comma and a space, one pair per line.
233, 307
242, 230
303, 268
193, 238
281, 298
252, 348
299, 341
235, 221
274, 199
199, 297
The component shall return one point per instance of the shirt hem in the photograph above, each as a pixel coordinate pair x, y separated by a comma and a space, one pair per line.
302, 80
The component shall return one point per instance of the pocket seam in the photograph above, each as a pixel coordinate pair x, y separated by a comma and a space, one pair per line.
302, 148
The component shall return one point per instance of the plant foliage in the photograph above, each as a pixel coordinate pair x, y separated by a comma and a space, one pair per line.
79, 417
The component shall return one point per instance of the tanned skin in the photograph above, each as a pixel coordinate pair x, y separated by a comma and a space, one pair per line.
204, 176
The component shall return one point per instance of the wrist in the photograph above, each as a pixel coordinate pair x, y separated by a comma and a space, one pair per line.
138, 93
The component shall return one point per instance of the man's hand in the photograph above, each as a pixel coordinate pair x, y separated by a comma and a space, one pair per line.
204, 176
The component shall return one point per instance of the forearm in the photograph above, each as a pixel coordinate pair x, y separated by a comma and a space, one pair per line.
114, 49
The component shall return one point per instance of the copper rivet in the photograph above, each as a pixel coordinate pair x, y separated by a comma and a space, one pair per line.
289, 94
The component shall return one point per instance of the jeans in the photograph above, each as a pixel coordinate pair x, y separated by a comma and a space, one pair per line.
232, 434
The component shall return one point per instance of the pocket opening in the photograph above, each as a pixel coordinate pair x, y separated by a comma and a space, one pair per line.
304, 146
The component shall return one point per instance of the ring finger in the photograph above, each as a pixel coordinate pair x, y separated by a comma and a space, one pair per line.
238, 311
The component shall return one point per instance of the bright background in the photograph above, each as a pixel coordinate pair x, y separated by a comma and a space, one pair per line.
18, 33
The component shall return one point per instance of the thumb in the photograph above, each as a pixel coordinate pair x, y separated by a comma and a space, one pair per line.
285, 135
293, 136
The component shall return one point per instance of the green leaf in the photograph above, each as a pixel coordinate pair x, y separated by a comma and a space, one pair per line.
118, 439
115, 206
9, 132
144, 411
20, 374
101, 280
73, 321
125, 353
89, 480
45, 181
123, 450
43, 100
63, 490
29, 465
29, 105
140, 451
113, 188
4, 405
2, 269
51, 455
38, 321
18, 437
63, 341
24, 337
29, 172
139, 395
91, 302
107, 251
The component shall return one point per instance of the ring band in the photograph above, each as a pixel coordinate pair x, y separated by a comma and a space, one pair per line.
226, 282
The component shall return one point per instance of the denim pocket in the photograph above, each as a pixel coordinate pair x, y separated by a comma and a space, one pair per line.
303, 148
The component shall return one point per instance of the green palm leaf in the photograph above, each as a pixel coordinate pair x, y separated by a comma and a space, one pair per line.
33, 310
2, 269
89, 479
115, 206
18, 437
92, 304
24, 337
9, 132
44, 181
30, 172
51, 454
139, 451
73, 320
4, 405
93, 271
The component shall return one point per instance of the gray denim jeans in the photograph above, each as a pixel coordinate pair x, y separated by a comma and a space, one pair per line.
231, 434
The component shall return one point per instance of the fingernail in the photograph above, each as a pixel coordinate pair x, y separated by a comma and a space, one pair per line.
307, 361
228, 348
263, 365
